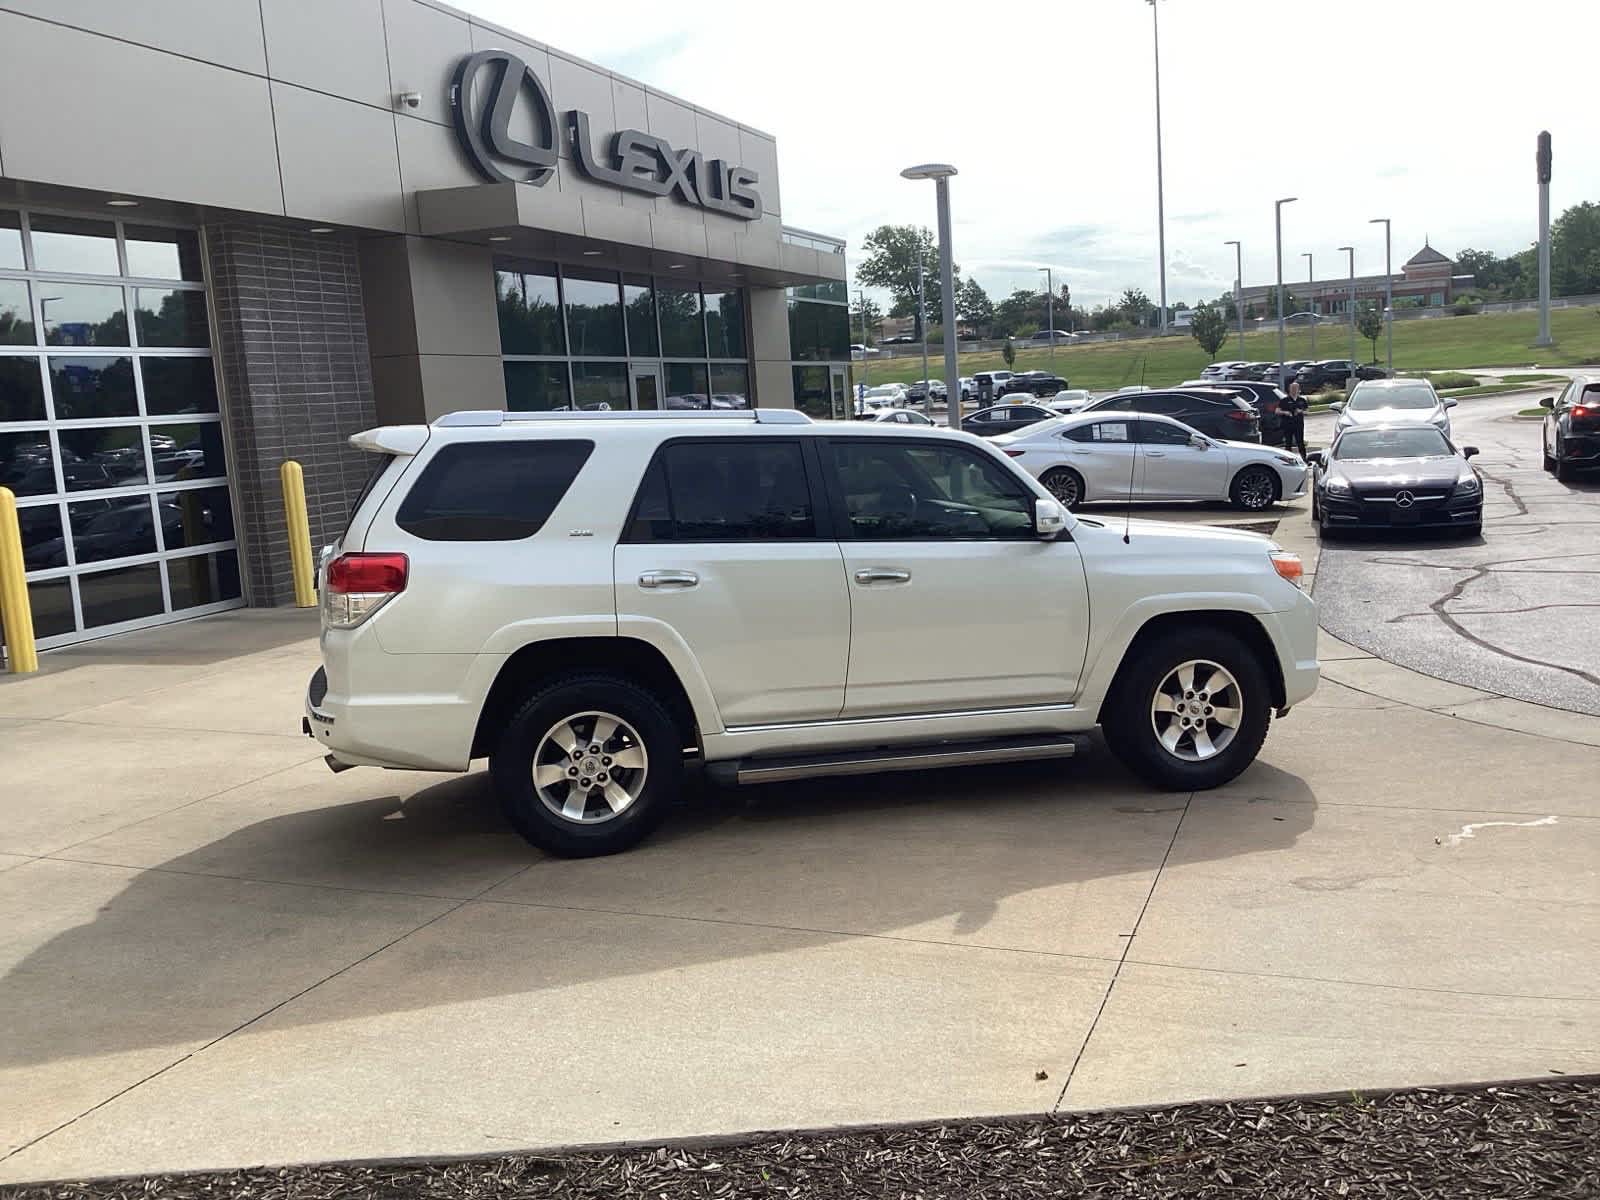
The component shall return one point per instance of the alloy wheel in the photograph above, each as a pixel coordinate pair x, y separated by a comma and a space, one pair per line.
1255, 490
590, 767
1063, 485
1196, 711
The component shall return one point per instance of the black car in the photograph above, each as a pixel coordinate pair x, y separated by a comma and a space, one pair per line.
1266, 398
1395, 477
1572, 428
1212, 410
1004, 418
1333, 372
1034, 383
1256, 370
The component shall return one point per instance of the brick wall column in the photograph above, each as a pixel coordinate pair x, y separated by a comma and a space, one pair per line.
292, 344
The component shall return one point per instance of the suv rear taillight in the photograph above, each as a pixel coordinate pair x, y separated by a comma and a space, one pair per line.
357, 585
1241, 414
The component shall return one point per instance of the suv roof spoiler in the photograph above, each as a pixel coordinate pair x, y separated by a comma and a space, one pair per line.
391, 439
758, 416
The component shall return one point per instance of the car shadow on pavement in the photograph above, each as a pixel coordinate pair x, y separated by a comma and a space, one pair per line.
1052, 856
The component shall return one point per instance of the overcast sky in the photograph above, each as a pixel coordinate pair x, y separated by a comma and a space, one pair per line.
1424, 111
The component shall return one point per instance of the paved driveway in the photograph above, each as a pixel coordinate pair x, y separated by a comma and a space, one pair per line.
1517, 611
214, 952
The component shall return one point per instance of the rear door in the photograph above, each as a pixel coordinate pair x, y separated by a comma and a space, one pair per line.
937, 535
729, 550
1106, 454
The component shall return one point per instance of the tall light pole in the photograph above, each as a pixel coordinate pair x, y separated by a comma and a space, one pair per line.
1238, 289
1351, 251
922, 320
1542, 162
940, 174
1277, 224
1161, 200
1050, 312
1311, 280
866, 374
1388, 285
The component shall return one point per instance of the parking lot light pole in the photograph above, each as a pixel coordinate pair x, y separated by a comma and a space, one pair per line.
1388, 286
1277, 223
940, 174
922, 320
1311, 279
1238, 289
866, 375
1351, 251
1050, 312
1161, 201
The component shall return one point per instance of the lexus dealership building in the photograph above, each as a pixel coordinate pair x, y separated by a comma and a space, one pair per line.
234, 232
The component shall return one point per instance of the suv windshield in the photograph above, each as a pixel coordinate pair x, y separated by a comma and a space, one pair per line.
1418, 395
1392, 443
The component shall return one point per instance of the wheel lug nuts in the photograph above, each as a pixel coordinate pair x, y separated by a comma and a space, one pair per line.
600, 778
594, 749
572, 770
605, 762
584, 782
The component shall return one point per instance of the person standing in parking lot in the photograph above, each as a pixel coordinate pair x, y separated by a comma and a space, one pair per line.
1294, 419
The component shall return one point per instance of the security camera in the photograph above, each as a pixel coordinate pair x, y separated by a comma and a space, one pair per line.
410, 99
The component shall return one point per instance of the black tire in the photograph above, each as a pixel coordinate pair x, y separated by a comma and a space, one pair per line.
1128, 719
1068, 481
1549, 463
1247, 491
511, 764
1564, 471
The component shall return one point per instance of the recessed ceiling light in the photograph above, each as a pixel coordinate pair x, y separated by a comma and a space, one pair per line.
674, 266
592, 253
499, 237
122, 203
320, 229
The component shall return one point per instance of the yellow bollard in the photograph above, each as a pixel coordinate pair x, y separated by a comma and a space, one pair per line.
16, 613
294, 510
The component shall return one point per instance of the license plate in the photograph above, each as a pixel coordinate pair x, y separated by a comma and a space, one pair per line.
1404, 516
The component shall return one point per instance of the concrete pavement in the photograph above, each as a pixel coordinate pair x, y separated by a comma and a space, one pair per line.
216, 953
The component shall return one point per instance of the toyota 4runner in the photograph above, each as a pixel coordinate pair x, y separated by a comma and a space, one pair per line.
590, 600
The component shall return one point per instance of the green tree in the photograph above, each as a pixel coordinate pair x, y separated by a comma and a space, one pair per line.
1575, 251
1209, 329
1009, 353
890, 256
973, 304
1369, 324
1135, 306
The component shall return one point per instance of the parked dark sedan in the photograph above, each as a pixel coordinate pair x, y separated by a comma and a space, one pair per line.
1572, 428
1334, 372
1212, 410
1034, 383
1395, 477
1005, 418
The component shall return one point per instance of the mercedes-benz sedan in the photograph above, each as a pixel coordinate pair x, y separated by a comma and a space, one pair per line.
1392, 401
1395, 476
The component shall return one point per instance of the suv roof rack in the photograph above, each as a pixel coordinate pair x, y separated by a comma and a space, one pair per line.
759, 416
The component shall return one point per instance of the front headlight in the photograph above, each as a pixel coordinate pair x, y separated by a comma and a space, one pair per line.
1468, 486
1336, 486
1289, 460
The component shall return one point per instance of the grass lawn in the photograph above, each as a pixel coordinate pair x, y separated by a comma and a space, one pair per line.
1432, 344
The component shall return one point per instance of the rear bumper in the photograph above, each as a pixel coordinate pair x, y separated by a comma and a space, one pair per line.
1581, 451
411, 732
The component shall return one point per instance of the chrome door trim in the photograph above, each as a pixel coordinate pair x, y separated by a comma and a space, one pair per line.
834, 722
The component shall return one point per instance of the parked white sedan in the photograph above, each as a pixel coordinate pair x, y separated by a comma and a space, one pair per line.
1106, 455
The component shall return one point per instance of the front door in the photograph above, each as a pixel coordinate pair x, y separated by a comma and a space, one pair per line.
838, 393
1176, 469
956, 605
645, 386
727, 554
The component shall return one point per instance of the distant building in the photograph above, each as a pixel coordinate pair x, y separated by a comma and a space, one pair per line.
1426, 280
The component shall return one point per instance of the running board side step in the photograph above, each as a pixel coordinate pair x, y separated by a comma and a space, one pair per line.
879, 759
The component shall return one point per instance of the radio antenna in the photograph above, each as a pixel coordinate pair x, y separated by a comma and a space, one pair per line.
1133, 459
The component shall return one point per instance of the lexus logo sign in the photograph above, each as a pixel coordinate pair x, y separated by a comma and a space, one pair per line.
487, 140
484, 94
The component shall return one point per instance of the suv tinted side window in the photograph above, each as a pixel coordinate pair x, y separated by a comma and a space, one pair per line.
491, 491
724, 491
898, 491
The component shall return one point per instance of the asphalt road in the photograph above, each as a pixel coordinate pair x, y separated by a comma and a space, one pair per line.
1516, 612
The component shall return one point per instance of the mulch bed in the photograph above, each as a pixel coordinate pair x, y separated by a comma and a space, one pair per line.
1535, 1140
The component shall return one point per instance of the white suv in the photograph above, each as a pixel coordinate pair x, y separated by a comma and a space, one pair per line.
589, 600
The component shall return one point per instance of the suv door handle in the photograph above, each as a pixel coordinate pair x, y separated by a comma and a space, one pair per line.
868, 575
668, 579
1155, 453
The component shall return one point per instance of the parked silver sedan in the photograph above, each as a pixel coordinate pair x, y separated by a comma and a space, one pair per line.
1110, 455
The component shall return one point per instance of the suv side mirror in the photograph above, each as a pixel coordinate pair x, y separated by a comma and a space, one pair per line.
1049, 518
1336, 406
1318, 458
1548, 402
1468, 451
1451, 403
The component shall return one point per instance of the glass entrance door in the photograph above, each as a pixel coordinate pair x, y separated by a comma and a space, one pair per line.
839, 394
645, 386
